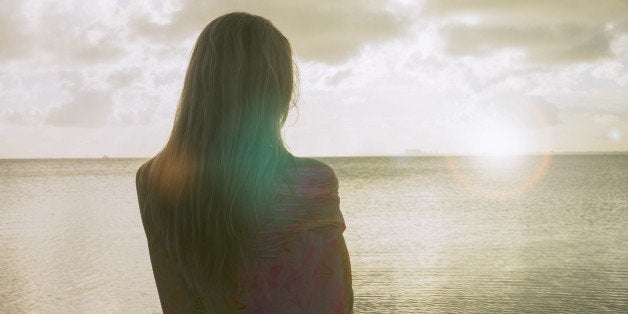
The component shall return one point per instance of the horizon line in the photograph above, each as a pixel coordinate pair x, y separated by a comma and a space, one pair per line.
553, 153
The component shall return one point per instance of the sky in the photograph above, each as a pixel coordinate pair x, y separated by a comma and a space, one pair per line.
94, 78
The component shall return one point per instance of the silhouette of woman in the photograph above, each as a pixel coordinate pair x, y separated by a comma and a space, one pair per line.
234, 222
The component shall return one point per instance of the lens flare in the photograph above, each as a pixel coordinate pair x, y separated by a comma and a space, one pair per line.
615, 135
452, 167
498, 193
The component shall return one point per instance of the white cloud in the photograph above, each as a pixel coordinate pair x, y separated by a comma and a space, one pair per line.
520, 110
75, 32
88, 108
325, 30
377, 77
549, 31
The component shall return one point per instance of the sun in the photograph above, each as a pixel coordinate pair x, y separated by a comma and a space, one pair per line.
499, 150
499, 140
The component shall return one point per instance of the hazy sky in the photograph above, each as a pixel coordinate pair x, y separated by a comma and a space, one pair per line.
89, 78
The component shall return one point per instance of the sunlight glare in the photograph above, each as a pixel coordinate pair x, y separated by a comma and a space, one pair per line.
615, 135
499, 140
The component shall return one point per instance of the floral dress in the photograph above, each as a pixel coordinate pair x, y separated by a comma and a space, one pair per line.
303, 265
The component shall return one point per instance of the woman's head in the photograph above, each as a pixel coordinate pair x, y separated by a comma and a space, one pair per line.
217, 174
239, 79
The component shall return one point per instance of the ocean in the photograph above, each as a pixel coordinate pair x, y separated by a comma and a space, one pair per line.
425, 234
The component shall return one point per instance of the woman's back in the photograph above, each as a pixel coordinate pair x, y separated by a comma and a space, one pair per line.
235, 222
299, 262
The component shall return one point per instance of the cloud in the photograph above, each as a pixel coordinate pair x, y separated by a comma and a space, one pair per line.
30, 116
329, 31
57, 33
549, 31
532, 112
88, 108
118, 97
555, 45
124, 77
12, 34
599, 113
96, 103
605, 118
336, 78
529, 112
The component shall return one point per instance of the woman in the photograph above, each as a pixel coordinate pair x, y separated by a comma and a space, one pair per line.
234, 222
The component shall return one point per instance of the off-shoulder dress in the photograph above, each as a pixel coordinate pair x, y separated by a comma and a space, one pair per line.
307, 268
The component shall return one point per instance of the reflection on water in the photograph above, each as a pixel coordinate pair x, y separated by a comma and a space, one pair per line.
420, 241
71, 238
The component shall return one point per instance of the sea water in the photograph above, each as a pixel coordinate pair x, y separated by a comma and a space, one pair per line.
425, 234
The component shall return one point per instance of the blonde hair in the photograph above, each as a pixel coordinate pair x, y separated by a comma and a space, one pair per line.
218, 171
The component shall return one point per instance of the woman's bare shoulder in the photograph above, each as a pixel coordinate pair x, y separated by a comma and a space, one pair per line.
312, 164
314, 178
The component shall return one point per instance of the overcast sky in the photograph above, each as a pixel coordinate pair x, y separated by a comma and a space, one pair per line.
93, 78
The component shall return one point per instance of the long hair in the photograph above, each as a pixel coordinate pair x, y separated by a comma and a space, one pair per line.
218, 172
